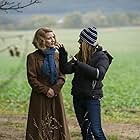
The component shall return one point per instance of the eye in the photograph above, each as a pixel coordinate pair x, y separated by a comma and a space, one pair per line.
53, 37
48, 38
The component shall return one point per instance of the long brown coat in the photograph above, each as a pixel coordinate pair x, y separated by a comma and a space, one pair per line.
46, 117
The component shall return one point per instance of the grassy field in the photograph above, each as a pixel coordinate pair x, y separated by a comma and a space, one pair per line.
121, 100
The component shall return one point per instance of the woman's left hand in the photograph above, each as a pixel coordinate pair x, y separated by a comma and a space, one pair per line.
58, 46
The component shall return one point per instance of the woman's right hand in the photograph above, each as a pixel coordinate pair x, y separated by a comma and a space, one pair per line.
50, 93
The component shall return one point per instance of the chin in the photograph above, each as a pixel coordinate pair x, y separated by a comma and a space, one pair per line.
42, 49
53, 46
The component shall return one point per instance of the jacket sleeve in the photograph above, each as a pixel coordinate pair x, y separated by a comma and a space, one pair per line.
32, 76
102, 66
97, 72
65, 66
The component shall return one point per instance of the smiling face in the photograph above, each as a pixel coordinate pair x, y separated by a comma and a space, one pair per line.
50, 40
44, 38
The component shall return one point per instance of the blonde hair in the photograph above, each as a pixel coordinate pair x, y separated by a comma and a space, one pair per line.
85, 52
39, 37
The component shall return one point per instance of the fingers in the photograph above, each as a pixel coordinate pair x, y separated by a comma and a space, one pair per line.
62, 45
50, 93
58, 45
73, 57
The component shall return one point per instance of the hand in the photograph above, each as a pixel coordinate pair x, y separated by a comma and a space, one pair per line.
74, 59
58, 46
50, 93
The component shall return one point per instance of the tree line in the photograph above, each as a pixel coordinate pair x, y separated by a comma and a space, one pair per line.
73, 20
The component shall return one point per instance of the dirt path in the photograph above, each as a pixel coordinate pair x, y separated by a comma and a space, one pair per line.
13, 128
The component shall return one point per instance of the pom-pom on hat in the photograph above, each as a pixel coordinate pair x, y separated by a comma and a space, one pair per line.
89, 35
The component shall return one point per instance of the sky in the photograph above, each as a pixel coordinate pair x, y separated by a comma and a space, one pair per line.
62, 7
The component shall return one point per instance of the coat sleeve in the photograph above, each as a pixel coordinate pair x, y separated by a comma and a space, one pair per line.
32, 76
65, 66
97, 72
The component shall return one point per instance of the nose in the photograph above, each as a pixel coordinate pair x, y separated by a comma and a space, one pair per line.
80, 47
52, 39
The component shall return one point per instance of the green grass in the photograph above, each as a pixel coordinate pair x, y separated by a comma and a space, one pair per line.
121, 100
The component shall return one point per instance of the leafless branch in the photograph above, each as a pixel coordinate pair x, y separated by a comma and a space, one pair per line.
5, 5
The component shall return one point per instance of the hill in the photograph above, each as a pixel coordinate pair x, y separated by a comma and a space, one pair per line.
104, 13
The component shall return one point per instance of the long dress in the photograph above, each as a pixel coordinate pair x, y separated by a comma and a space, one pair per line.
46, 116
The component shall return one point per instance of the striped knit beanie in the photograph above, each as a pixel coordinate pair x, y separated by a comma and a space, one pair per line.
89, 35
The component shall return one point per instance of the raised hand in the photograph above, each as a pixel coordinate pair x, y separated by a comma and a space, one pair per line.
58, 46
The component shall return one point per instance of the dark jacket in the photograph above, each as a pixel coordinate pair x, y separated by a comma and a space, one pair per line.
86, 81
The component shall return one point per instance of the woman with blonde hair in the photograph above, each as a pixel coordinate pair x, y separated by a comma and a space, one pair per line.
46, 117
89, 66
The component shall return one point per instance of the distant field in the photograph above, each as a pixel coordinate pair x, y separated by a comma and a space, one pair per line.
121, 85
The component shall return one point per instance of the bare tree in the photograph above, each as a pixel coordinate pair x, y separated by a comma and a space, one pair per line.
5, 5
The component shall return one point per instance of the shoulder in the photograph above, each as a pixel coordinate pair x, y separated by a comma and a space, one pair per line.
100, 57
33, 54
100, 54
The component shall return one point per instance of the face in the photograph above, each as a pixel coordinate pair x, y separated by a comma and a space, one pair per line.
50, 40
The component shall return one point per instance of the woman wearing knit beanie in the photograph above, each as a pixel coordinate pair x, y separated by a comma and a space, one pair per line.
89, 66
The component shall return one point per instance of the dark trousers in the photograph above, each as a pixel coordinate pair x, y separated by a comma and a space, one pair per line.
88, 114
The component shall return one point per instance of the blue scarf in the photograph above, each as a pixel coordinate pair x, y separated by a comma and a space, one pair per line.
49, 66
